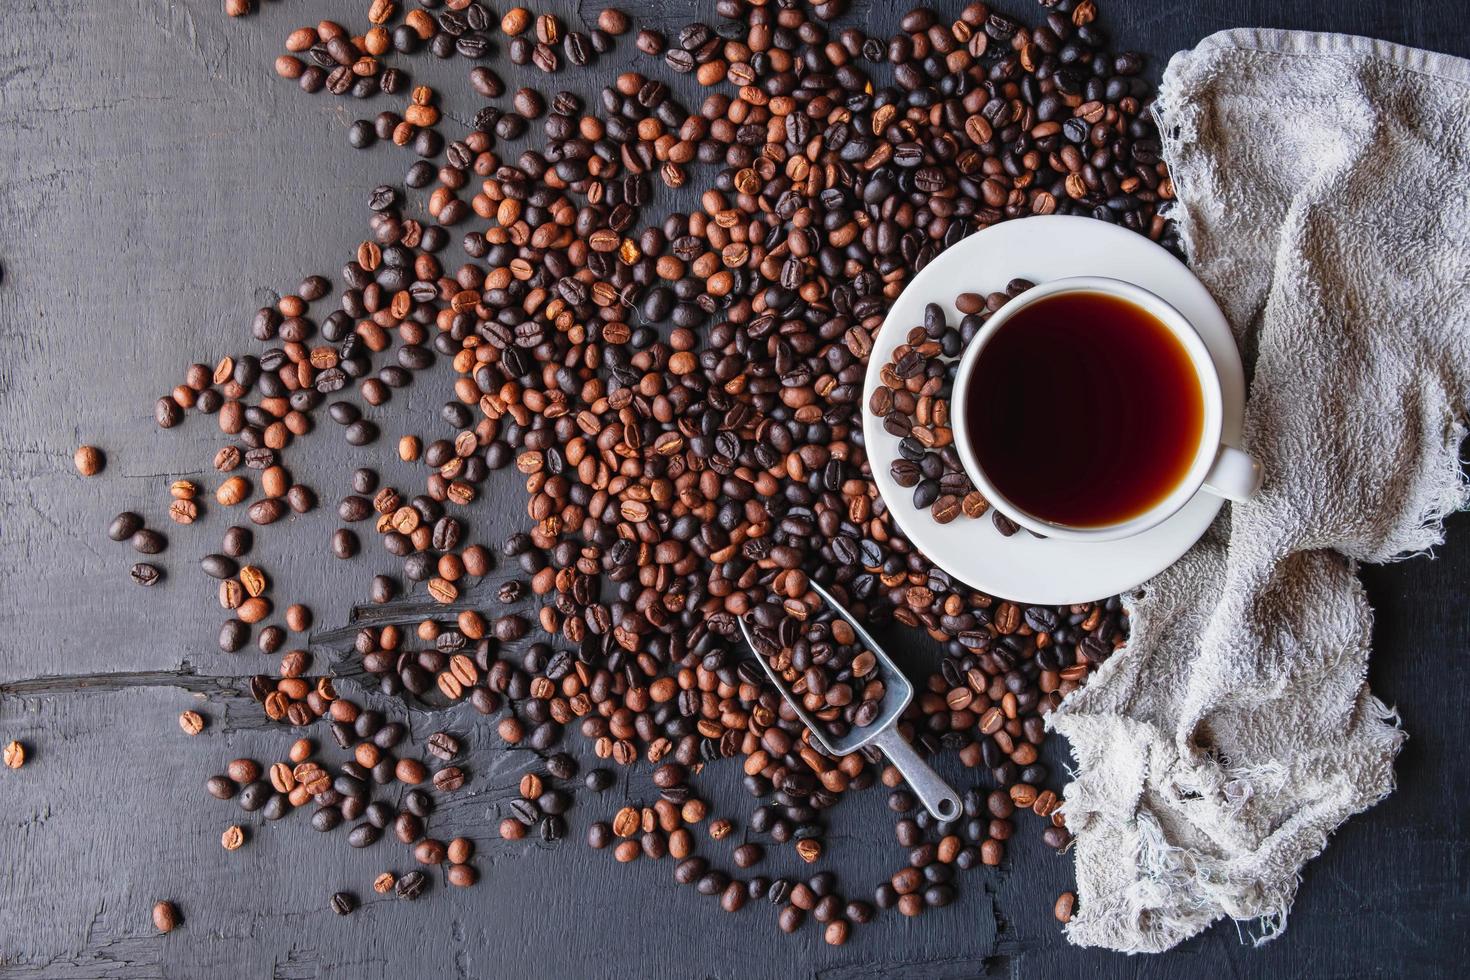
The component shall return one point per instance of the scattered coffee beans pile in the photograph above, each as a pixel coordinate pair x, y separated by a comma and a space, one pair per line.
915, 405
819, 657
679, 392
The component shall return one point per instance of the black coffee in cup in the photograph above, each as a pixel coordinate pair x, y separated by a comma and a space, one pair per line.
1084, 410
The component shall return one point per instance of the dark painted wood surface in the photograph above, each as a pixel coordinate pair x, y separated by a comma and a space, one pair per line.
159, 184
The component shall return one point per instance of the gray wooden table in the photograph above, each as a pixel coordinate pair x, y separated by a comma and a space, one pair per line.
159, 183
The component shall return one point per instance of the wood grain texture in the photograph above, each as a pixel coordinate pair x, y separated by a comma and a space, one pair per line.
160, 183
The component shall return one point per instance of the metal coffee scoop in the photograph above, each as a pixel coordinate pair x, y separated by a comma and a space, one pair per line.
936, 795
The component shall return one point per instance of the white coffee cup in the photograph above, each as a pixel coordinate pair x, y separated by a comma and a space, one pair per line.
1217, 468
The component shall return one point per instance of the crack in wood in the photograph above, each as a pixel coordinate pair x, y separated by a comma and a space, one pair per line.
184, 676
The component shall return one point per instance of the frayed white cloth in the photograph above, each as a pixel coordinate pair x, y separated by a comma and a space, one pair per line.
1323, 187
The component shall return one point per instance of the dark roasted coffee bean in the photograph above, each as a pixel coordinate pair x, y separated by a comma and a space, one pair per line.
748, 855
221, 787
147, 541
561, 766
449, 779
326, 818
254, 795
233, 635
146, 574
364, 480
417, 802
301, 499
167, 413
267, 510
124, 526
219, 566
238, 541
383, 589
363, 835
277, 807
486, 82
411, 885
344, 543
650, 42
442, 745
361, 432
361, 134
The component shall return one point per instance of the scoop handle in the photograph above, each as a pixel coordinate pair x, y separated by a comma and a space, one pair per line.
931, 789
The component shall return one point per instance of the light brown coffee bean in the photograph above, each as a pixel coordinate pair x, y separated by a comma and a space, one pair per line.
89, 460
626, 822
165, 916
232, 491
253, 580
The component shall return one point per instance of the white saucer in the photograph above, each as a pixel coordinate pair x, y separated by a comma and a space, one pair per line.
1025, 568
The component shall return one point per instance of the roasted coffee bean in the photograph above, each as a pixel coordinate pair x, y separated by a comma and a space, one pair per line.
233, 635
243, 770
238, 541
429, 851
748, 855
383, 589
147, 541
267, 511
361, 432
146, 574
613, 21
298, 618
254, 795
461, 875
354, 508
221, 787
301, 499
89, 460
442, 745
165, 916
167, 413
449, 779
561, 766
344, 543
219, 566
650, 42
124, 526
363, 835
418, 802
411, 885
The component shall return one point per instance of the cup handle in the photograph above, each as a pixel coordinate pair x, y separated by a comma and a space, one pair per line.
1234, 476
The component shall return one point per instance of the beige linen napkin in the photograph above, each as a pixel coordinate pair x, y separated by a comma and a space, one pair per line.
1323, 188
